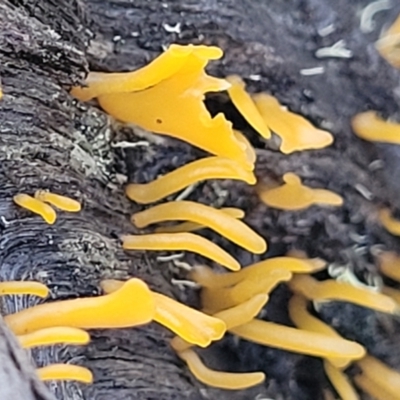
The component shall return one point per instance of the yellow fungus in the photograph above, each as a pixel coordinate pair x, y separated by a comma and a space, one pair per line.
251, 155
191, 325
374, 390
180, 241
340, 382
23, 287
312, 289
297, 340
229, 227
391, 224
133, 304
199, 170
388, 44
381, 374
208, 278
62, 202
223, 298
161, 68
389, 264
233, 317
295, 131
304, 320
293, 195
223, 380
369, 126
192, 226
392, 293
65, 372
36, 206
245, 105
54, 335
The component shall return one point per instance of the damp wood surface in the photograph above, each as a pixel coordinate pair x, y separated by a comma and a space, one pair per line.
49, 140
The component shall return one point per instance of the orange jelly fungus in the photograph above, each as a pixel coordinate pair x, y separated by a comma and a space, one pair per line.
196, 171
65, 372
330, 289
206, 277
180, 241
36, 206
229, 227
245, 105
172, 103
297, 340
369, 126
133, 304
391, 224
233, 317
293, 195
222, 380
304, 320
188, 226
54, 335
381, 374
389, 43
296, 132
389, 264
62, 202
340, 382
192, 326
23, 287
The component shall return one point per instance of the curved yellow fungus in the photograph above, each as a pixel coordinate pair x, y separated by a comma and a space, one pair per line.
388, 44
229, 227
180, 241
389, 264
297, 340
293, 195
245, 105
65, 372
382, 375
371, 388
312, 289
199, 170
133, 304
304, 320
251, 155
227, 297
54, 335
294, 130
208, 278
161, 68
194, 327
391, 224
222, 380
62, 202
369, 126
340, 382
24, 287
233, 317
187, 226
36, 206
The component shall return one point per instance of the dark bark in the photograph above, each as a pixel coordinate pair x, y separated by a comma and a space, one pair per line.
48, 140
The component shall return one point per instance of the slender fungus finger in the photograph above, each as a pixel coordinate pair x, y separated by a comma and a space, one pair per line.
180, 241
196, 171
312, 289
297, 340
133, 304
340, 382
24, 287
251, 155
370, 387
62, 202
55, 335
231, 228
391, 224
36, 206
389, 264
223, 380
65, 372
304, 320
